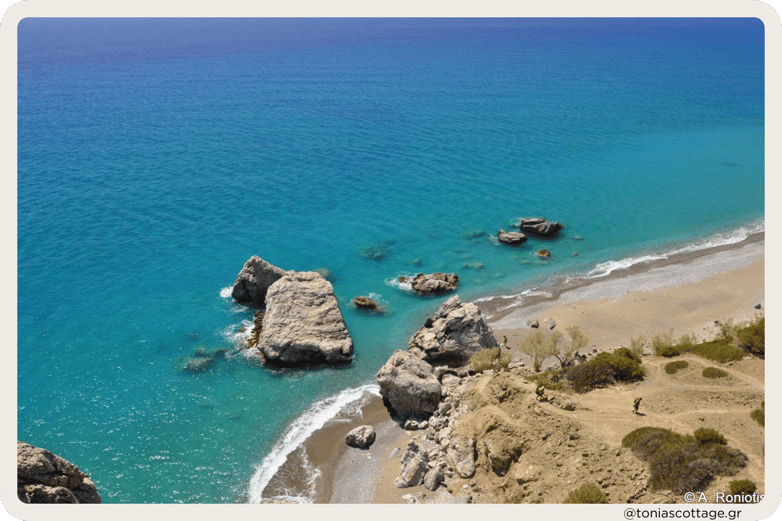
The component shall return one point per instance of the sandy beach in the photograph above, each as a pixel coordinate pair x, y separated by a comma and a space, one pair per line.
686, 293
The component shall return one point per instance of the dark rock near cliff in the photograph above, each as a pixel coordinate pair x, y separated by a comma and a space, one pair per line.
367, 304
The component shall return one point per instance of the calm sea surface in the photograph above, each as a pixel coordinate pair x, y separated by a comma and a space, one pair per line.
156, 156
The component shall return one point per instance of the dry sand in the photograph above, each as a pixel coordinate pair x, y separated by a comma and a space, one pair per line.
686, 294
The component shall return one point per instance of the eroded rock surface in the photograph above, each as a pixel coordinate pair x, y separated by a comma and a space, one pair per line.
409, 385
303, 323
453, 334
434, 283
44, 477
253, 281
541, 227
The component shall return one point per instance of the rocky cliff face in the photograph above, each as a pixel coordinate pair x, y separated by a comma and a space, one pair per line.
43, 477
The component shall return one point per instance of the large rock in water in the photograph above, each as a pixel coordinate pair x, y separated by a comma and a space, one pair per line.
254, 280
540, 226
43, 477
512, 238
409, 385
452, 335
303, 323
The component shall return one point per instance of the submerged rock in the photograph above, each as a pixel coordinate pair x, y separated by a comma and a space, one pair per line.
434, 283
44, 477
453, 334
303, 323
254, 280
199, 364
409, 385
544, 254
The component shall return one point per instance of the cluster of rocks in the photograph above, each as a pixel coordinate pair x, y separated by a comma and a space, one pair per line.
43, 477
536, 227
302, 322
202, 360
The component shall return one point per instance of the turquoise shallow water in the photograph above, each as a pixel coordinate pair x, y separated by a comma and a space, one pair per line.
156, 156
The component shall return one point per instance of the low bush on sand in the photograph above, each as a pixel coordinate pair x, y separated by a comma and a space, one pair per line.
684, 463
714, 372
492, 358
551, 379
743, 486
587, 493
606, 369
759, 415
674, 367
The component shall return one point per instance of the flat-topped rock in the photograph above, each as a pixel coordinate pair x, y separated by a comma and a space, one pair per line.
511, 238
254, 280
44, 477
434, 283
303, 323
453, 334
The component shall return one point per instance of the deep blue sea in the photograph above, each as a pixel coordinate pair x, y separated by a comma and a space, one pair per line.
155, 156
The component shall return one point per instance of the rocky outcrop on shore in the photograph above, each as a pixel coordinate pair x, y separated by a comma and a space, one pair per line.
453, 334
409, 386
540, 227
434, 283
253, 281
303, 323
44, 477
491, 440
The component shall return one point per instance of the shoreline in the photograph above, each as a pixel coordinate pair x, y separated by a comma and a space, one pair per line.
685, 292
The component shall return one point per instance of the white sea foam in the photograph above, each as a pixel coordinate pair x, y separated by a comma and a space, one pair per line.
605, 268
226, 292
396, 283
333, 407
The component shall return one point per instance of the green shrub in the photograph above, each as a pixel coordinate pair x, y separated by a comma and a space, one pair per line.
753, 338
492, 358
673, 367
720, 350
606, 369
759, 415
713, 372
551, 379
587, 493
743, 486
669, 351
683, 463
705, 436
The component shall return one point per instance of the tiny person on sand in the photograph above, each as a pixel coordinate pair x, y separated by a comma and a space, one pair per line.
636, 404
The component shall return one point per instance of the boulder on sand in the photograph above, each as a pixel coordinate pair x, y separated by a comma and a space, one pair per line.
43, 477
361, 437
303, 323
409, 386
452, 335
254, 280
434, 283
541, 227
